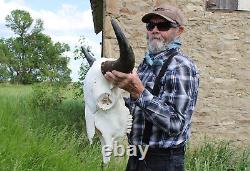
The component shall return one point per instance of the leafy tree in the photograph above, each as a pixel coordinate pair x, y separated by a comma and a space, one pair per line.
4, 53
31, 56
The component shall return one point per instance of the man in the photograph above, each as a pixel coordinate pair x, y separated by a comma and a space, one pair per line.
161, 109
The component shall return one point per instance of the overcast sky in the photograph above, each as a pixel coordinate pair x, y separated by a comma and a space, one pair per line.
64, 21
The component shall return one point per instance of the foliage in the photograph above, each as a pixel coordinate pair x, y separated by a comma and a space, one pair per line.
4, 52
47, 95
4, 73
78, 86
84, 66
31, 56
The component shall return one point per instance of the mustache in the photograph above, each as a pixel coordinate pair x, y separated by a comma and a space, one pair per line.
155, 36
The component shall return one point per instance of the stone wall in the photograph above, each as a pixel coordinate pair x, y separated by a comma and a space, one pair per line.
219, 43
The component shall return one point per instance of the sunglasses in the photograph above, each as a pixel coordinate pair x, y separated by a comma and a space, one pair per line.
161, 26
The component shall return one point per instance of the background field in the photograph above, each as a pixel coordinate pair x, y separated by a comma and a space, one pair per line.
55, 139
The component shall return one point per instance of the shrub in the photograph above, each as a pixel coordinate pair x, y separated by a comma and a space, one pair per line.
47, 95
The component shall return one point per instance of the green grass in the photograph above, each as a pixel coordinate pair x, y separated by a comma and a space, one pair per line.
37, 140
217, 156
31, 139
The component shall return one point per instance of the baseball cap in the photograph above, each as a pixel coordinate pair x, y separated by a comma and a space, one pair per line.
170, 13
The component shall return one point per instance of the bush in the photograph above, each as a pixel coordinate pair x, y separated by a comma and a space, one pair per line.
47, 95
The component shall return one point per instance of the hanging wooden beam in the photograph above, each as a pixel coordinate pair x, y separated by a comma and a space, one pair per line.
97, 13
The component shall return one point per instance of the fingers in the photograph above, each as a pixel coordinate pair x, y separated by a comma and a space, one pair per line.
113, 78
120, 79
120, 75
109, 76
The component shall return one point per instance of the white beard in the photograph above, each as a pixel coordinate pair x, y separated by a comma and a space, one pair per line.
159, 46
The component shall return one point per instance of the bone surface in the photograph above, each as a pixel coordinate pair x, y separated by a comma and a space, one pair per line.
105, 109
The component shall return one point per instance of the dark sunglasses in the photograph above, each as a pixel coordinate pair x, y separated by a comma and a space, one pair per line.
161, 26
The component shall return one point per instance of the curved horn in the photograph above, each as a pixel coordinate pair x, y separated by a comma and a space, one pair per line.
126, 62
87, 55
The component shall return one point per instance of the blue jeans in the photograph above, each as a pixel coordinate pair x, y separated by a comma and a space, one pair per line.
158, 160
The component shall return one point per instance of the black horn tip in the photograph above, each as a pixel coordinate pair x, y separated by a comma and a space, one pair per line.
88, 56
117, 29
126, 61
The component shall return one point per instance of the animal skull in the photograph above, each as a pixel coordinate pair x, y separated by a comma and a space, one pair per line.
105, 108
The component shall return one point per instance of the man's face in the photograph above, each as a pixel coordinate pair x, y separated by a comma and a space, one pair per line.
158, 40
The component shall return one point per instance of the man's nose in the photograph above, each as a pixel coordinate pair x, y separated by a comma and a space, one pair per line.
155, 29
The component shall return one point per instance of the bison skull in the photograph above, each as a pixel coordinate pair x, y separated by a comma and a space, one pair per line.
104, 105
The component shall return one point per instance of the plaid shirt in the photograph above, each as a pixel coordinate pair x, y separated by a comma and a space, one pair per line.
170, 111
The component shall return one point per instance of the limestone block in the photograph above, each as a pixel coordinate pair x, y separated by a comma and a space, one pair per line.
193, 7
112, 6
230, 37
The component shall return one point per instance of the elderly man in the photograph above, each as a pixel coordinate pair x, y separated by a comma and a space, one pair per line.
163, 94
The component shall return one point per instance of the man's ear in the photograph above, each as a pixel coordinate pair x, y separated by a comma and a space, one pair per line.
180, 30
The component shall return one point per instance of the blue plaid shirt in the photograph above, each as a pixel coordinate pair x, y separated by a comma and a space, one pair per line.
170, 111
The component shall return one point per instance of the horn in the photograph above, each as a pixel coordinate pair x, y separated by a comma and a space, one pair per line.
87, 55
126, 62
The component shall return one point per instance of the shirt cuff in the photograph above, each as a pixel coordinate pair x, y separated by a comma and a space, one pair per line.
144, 99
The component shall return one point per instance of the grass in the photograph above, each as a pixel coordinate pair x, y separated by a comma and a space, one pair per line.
217, 156
37, 140
31, 139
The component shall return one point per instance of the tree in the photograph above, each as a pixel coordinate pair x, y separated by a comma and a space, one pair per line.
4, 55
31, 56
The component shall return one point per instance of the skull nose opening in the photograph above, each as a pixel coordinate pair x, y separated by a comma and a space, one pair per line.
105, 101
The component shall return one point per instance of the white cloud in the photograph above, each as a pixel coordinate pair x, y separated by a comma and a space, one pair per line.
7, 7
68, 18
65, 25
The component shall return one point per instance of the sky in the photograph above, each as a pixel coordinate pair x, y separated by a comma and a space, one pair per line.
64, 21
